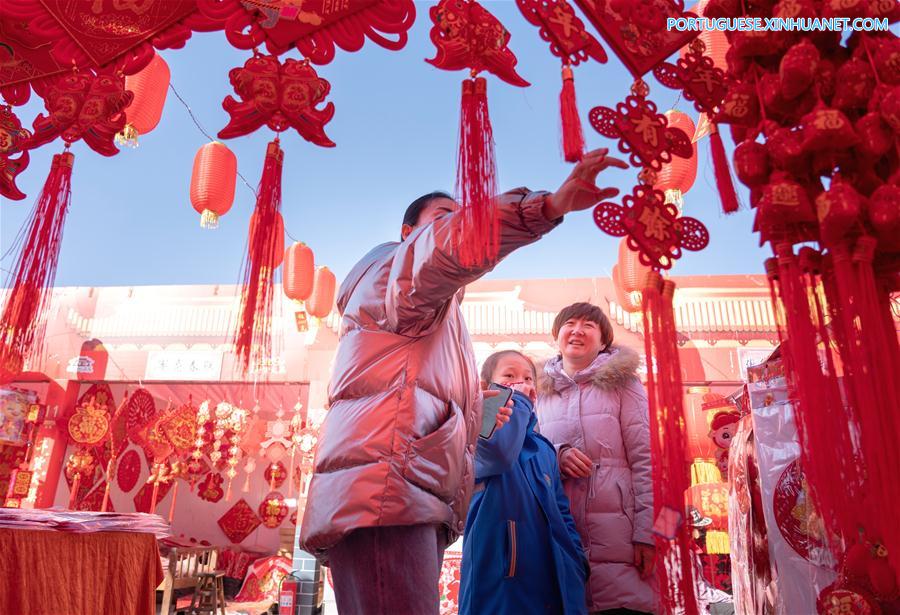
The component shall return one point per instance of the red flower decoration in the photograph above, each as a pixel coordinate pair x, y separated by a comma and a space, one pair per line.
468, 36
653, 227
562, 28
280, 96
83, 105
239, 522
12, 140
211, 488
642, 132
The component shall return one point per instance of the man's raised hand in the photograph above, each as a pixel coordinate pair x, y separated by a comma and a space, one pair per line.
580, 190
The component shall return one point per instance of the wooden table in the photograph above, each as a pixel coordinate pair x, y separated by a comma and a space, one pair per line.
46, 572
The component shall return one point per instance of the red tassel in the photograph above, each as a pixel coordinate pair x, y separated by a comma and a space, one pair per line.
724, 183
25, 312
572, 136
253, 339
668, 444
825, 426
870, 372
478, 237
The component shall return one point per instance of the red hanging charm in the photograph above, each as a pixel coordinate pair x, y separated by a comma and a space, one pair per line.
281, 96
642, 132
12, 140
468, 36
25, 311
253, 338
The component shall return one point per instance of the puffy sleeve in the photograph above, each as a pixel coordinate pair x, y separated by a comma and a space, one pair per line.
635, 422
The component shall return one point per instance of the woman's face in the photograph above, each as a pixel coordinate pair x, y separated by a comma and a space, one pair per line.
512, 369
579, 339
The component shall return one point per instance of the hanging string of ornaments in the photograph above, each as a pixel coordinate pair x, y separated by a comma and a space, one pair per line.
815, 118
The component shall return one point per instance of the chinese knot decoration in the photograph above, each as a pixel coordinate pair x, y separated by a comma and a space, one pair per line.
89, 424
653, 227
642, 131
468, 36
280, 96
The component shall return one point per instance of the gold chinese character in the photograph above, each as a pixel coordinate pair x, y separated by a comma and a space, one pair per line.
655, 225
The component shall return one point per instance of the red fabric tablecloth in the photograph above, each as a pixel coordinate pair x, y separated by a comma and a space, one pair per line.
65, 573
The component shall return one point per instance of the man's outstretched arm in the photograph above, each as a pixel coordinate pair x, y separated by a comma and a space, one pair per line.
426, 272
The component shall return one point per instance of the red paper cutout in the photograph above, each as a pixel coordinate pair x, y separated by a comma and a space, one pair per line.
142, 498
83, 106
239, 522
653, 227
468, 36
636, 29
316, 27
211, 488
94, 500
12, 140
642, 132
561, 27
139, 412
128, 471
836, 600
280, 96
697, 77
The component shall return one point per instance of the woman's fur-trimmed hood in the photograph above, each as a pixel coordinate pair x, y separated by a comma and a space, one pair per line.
610, 370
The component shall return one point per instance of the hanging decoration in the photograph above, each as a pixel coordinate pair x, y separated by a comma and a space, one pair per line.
239, 522
275, 474
12, 140
213, 180
637, 31
273, 510
253, 337
467, 36
321, 301
299, 269
569, 41
149, 87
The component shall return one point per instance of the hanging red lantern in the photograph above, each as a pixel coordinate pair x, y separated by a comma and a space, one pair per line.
699, 444
675, 178
212, 182
322, 298
630, 301
632, 272
149, 86
299, 270
714, 41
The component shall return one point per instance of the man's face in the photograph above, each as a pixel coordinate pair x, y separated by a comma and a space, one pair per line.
435, 209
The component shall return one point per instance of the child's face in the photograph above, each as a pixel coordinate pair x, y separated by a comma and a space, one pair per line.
515, 370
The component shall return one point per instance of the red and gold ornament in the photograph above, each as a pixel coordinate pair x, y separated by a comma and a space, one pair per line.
12, 140
273, 510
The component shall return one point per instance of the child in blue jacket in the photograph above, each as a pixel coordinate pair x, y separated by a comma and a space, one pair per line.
521, 551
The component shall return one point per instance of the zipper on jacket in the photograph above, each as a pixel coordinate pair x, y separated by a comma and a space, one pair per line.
511, 529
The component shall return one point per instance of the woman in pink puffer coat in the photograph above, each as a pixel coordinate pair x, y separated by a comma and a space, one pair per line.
593, 408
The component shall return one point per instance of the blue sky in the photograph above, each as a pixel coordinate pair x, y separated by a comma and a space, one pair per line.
131, 221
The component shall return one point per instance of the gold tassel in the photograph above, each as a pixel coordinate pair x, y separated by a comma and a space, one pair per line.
128, 137
209, 219
717, 542
704, 471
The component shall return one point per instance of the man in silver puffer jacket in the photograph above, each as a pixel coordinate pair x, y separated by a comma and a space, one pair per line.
393, 473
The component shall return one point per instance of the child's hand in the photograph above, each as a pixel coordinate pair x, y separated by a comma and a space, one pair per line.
526, 389
574, 464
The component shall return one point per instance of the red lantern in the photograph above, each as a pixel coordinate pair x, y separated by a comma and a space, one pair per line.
150, 87
322, 298
278, 253
630, 301
632, 273
212, 182
715, 41
751, 163
679, 174
299, 270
